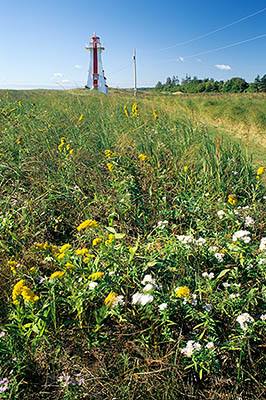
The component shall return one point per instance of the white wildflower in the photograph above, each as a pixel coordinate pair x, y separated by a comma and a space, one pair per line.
148, 287
262, 244
243, 319
241, 235
162, 306
210, 345
220, 214
263, 317
93, 285
148, 279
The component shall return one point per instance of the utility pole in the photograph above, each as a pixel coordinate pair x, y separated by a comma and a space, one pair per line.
135, 72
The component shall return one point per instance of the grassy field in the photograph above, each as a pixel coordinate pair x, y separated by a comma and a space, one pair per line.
133, 248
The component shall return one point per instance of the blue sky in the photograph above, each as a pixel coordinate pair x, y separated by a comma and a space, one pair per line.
43, 42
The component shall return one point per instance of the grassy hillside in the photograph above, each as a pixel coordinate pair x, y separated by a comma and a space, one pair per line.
132, 241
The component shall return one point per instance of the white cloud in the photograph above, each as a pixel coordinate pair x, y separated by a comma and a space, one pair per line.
198, 59
181, 59
65, 80
77, 66
223, 67
57, 75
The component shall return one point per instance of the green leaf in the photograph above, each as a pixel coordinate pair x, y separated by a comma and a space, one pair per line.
223, 273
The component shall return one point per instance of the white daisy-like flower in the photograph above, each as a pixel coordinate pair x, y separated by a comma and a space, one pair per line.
93, 285
162, 306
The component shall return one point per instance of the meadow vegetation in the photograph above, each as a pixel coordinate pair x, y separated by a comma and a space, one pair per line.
133, 250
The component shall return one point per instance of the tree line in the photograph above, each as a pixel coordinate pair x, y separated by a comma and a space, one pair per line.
196, 85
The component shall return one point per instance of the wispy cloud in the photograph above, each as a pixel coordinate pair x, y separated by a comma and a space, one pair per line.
181, 59
223, 67
57, 75
65, 80
78, 66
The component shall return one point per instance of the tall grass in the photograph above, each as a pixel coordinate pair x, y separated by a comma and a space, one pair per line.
154, 198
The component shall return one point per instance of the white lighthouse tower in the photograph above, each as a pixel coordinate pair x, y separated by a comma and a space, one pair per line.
96, 78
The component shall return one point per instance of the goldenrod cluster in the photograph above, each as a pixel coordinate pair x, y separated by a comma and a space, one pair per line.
182, 291
96, 275
110, 299
110, 166
232, 199
108, 153
142, 157
135, 110
46, 246
111, 238
96, 241
126, 111
22, 290
57, 274
89, 223
155, 115
64, 146
260, 172
12, 265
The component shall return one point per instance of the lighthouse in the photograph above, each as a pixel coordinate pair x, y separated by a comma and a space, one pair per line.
96, 78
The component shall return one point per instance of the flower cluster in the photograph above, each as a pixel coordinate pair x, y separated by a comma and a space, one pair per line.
135, 110
113, 299
89, 223
145, 297
66, 380
241, 235
20, 289
108, 154
263, 244
243, 319
190, 348
3, 385
64, 145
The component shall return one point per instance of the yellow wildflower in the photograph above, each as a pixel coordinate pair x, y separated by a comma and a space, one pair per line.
232, 199
28, 295
96, 275
69, 265
125, 111
12, 265
63, 140
111, 237
135, 110
46, 245
108, 153
68, 147
32, 269
20, 103
80, 118
71, 151
81, 252
260, 171
89, 223
1, 154
60, 147
57, 274
182, 291
185, 168
110, 299
110, 167
17, 290
18, 140
131, 249
155, 115
64, 247
142, 157
61, 256
96, 241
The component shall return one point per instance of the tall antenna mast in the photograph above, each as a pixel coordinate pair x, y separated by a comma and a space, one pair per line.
135, 72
